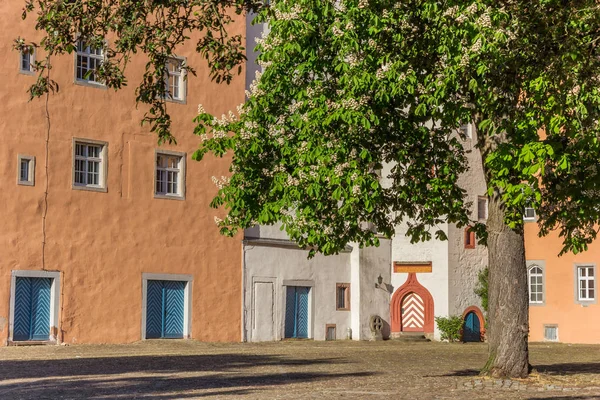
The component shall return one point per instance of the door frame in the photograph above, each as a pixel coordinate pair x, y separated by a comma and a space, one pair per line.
273, 281
54, 300
187, 309
311, 305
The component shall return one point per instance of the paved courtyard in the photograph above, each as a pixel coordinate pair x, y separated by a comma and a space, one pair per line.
289, 370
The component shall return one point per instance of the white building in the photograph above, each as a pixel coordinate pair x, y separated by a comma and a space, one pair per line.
287, 295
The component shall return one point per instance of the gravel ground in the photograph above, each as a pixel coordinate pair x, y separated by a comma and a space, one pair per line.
289, 370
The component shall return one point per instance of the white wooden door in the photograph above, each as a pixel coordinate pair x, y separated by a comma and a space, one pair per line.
263, 324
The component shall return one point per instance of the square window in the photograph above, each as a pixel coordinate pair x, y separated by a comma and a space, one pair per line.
482, 208
466, 130
343, 296
175, 80
26, 170
330, 333
87, 60
469, 238
551, 333
89, 164
26, 61
169, 175
529, 214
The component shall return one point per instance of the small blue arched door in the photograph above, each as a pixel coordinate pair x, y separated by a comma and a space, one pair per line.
472, 328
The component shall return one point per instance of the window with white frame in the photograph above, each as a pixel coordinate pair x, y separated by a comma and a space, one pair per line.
467, 130
174, 80
536, 284
26, 170
529, 214
89, 165
27, 58
170, 170
482, 208
586, 283
88, 60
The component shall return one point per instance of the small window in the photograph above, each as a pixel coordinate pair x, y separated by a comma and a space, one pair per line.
469, 238
330, 333
529, 214
26, 170
174, 81
482, 208
551, 333
88, 60
536, 285
26, 61
343, 296
467, 130
169, 177
586, 283
89, 165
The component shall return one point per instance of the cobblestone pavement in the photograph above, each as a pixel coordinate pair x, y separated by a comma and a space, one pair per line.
289, 370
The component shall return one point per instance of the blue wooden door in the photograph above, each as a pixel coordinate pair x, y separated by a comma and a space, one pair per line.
32, 309
165, 309
296, 312
471, 328
174, 293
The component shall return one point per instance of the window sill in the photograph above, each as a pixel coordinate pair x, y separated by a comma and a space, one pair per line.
176, 101
90, 188
90, 84
167, 197
342, 309
29, 73
31, 342
537, 304
25, 183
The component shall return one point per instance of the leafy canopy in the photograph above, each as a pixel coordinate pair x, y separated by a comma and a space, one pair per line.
351, 88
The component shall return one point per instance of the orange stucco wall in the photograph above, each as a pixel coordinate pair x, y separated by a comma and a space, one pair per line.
103, 242
576, 323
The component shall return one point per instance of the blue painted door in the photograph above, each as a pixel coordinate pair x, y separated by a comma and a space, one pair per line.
32, 309
165, 309
296, 312
471, 328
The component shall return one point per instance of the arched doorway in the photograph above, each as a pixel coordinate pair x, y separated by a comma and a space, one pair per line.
473, 325
411, 308
413, 313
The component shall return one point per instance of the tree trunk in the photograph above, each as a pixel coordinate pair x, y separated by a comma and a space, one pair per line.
508, 313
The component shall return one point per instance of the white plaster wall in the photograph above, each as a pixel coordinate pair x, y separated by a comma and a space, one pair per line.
464, 264
281, 264
435, 251
436, 282
374, 261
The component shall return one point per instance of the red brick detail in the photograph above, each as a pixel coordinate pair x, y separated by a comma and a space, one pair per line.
479, 314
411, 285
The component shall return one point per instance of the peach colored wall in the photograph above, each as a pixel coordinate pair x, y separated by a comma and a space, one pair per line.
103, 242
576, 323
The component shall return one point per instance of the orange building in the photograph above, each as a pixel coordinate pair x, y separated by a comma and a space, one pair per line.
106, 236
563, 297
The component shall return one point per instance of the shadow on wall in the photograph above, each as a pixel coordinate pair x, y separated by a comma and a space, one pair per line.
386, 331
212, 375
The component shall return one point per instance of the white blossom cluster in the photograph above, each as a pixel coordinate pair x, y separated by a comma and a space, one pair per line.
293, 14
339, 169
220, 183
363, 3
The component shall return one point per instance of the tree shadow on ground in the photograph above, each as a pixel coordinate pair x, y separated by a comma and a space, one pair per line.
565, 398
551, 369
23, 369
156, 377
